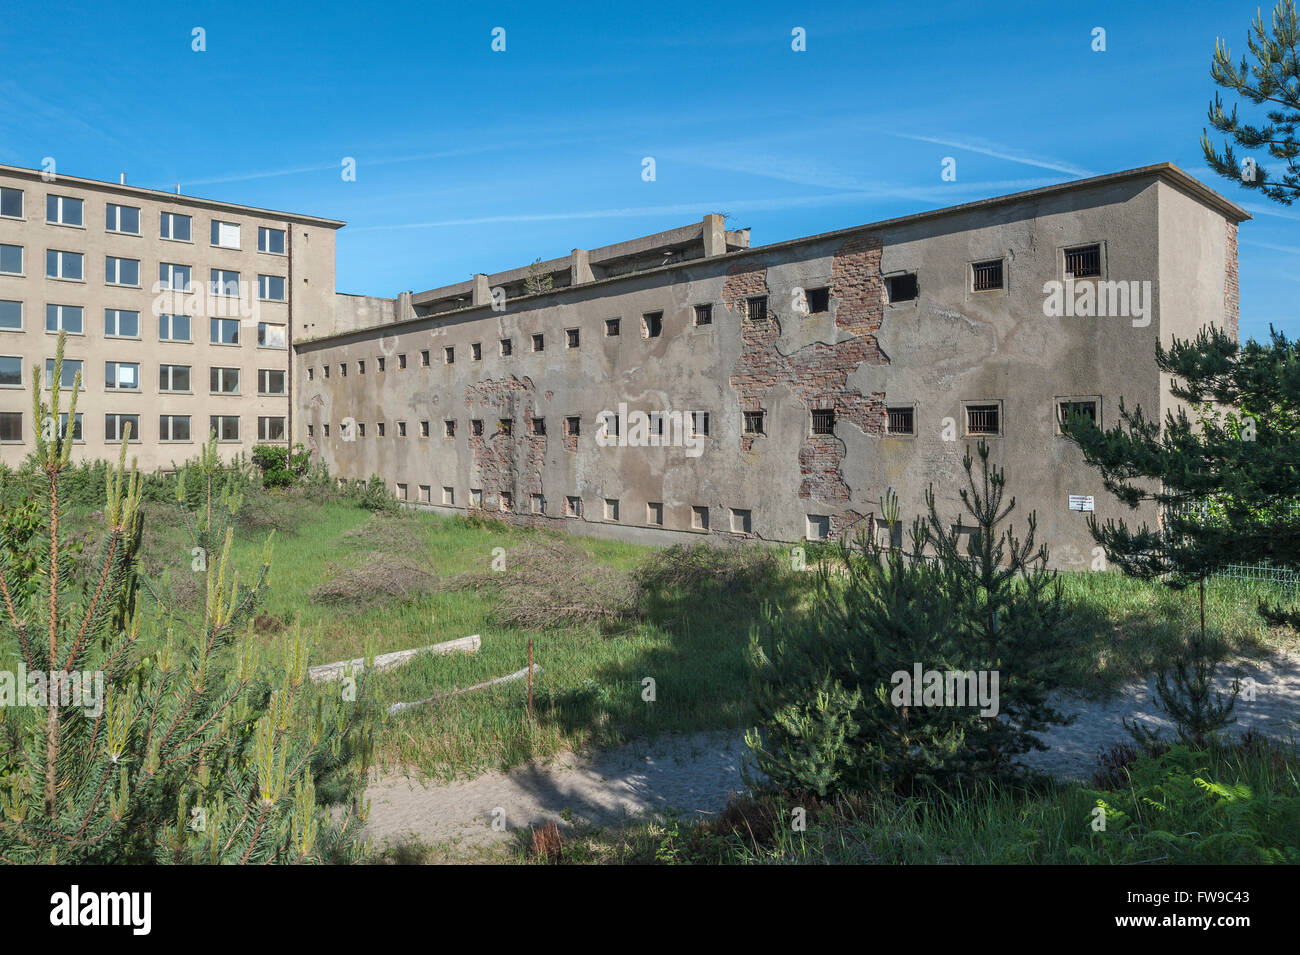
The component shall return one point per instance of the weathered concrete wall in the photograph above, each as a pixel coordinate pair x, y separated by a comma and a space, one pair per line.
353, 312
949, 346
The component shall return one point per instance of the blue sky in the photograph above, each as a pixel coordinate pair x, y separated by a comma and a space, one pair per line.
469, 160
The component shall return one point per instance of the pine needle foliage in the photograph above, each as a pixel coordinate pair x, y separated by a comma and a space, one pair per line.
1225, 479
963, 601
1269, 79
197, 753
1186, 693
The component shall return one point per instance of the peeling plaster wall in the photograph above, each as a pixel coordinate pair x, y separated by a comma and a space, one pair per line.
951, 345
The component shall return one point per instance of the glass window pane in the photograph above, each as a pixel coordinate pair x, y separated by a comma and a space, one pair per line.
11, 370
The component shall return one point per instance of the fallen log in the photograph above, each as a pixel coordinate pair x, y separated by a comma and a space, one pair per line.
517, 675
386, 661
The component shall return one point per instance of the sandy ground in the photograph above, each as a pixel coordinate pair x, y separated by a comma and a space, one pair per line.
695, 775
691, 775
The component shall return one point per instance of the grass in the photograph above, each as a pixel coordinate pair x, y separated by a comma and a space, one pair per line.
1239, 804
590, 689
1120, 628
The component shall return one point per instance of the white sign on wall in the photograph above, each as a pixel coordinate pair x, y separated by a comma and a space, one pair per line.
1081, 502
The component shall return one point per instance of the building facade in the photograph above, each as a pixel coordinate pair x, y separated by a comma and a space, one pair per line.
180, 314
686, 384
672, 387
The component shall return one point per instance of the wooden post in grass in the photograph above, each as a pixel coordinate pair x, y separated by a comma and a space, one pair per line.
530, 681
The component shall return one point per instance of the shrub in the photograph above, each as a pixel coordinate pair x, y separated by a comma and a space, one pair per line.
191, 754
1185, 806
281, 466
373, 495
831, 686
1185, 693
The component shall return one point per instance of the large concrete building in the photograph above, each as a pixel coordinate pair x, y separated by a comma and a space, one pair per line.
686, 383
180, 313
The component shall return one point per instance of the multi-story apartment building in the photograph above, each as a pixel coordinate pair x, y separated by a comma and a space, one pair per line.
686, 383
180, 313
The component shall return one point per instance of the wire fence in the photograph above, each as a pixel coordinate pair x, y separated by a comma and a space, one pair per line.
1259, 572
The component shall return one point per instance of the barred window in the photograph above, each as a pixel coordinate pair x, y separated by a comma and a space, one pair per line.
1068, 409
986, 276
900, 420
823, 421
1084, 261
982, 419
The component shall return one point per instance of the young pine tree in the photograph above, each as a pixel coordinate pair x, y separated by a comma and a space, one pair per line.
178, 748
1009, 608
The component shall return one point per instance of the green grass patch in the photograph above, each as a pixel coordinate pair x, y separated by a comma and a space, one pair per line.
393, 583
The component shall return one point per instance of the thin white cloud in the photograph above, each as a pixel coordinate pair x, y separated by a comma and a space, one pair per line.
1278, 212
1001, 152
1289, 249
364, 160
940, 195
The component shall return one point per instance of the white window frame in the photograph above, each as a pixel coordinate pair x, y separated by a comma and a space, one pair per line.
221, 231
167, 277
60, 325
217, 341
264, 420
19, 359
263, 375
116, 226
263, 327
264, 231
115, 434
60, 267
18, 440
165, 434
78, 425
170, 218
109, 261
112, 384
76, 364
22, 314
22, 203
60, 202
22, 259
170, 371
117, 314
264, 288
214, 424
223, 372
171, 327
221, 286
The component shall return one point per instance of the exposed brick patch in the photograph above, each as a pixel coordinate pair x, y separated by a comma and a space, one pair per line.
507, 462
851, 522
570, 442
859, 290
818, 373
1231, 286
819, 463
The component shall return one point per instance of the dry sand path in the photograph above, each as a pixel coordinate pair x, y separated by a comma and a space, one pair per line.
695, 775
